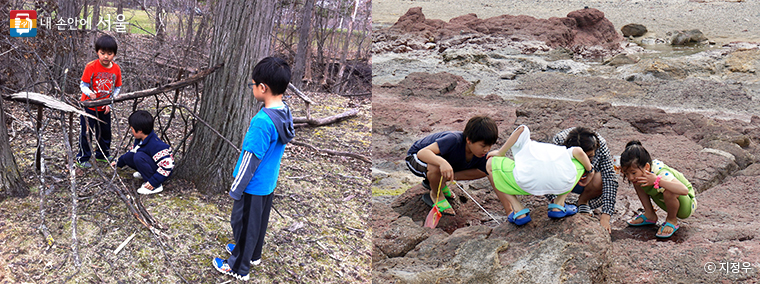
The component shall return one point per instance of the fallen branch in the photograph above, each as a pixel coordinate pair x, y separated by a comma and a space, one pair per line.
332, 152
46, 101
300, 94
149, 92
303, 121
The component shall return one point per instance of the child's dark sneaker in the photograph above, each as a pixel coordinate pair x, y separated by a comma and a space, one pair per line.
137, 175
105, 160
143, 190
230, 247
84, 165
222, 266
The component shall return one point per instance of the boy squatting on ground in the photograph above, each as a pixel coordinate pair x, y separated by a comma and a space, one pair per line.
537, 169
257, 168
452, 155
101, 80
151, 157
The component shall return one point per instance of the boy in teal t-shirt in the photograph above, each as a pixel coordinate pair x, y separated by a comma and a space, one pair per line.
257, 168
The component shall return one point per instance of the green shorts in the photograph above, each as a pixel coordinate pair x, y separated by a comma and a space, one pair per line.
687, 207
504, 178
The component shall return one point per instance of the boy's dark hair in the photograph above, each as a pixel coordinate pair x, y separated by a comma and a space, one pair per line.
634, 154
141, 121
481, 128
106, 43
582, 137
274, 72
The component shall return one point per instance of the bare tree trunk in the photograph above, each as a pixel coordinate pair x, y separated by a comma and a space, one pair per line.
303, 44
190, 18
95, 14
64, 56
11, 183
345, 46
242, 36
160, 18
201, 33
84, 14
119, 7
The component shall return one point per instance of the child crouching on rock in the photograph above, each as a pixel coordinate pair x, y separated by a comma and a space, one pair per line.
538, 169
655, 181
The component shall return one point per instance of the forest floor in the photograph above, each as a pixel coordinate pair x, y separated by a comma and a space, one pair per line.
318, 232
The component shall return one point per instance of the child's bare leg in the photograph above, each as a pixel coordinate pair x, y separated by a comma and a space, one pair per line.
560, 200
434, 177
672, 204
513, 202
504, 200
647, 203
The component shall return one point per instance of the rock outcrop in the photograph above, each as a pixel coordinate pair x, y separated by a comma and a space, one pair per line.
580, 30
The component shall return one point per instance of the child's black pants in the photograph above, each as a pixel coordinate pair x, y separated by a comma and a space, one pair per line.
249, 220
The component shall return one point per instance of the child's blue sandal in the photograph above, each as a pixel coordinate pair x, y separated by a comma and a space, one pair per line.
567, 210
667, 224
519, 221
644, 221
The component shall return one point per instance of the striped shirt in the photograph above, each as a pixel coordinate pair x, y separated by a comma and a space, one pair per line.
602, 163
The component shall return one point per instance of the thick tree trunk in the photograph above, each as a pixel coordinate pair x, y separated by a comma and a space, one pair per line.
242, 36
299, 68
11, 184
64, 57
95, 14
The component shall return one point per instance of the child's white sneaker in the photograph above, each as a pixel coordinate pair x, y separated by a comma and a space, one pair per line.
137, 175
230, 247
143, 190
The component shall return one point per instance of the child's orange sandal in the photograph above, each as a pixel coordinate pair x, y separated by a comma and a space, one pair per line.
665, 236
644, 221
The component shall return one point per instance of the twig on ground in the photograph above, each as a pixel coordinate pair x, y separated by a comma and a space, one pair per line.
123, 244
332, 152
298, 178
355, 230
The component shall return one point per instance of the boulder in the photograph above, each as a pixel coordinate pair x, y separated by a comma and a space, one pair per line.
622, 59
741, 157
634, 30
433, 85
401, 237
687, 37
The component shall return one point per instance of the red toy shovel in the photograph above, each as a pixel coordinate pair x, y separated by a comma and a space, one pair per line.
434, 215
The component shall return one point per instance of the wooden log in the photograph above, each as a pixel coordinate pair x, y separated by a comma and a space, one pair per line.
153, 91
